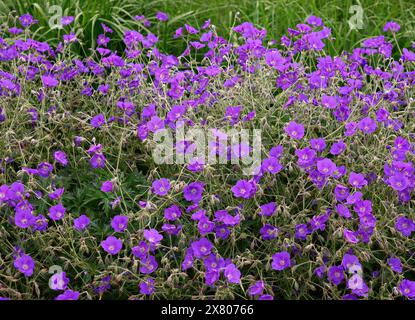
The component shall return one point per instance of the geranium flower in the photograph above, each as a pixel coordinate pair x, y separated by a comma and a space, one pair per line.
193, 191
81, 223
57, 212
107, 186
161, 186
153, 236
61, 158
243, 189
68, 295
281, 260
201, 248
357, 180
25, 264
336, 275
119, 223
395, 264
232, 274
59, 281
268, 209
407, 288
111, 245
295, 130
147, 286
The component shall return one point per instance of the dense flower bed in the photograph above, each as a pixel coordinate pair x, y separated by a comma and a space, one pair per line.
329, 214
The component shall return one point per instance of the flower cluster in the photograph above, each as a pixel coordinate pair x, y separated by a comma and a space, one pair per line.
327, 214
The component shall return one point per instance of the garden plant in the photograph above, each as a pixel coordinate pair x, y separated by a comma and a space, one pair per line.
89, 210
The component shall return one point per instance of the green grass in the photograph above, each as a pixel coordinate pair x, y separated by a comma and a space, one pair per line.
275, 15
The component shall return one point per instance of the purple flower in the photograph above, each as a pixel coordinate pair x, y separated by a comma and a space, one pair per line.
395, 264
27, 20
271, 165
65, 20
97, 161
119, 223
305, 156
162, 16
337, 147
147, 286
205, 226
391, 26
171, 229
193, 191
319, 271
49, 81
222, 232
336, 275
367, 125
214, 262
172, 213
112, 245
268, 232
356, 284
56, 194
281, 261
329, 102
407, 288
201, 248
141, 250
107, 186
314, 21
57, 212
190, 29
59, 281
405, 226
326, 167
161, 186
44, 169
232, 274
398, 181
24, 219
350, 296
152, 236
357, 180
68, 295
302, 231
40, 223
15, 30
350, 236
98, 121
268, 209
211, 276
81, 222
15, 192
276, 152
274, 59
295, 130
68, 38
243, 189
341, 192
256, 289
318, 144
148, 264
350, 262
25, 264
60, 157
